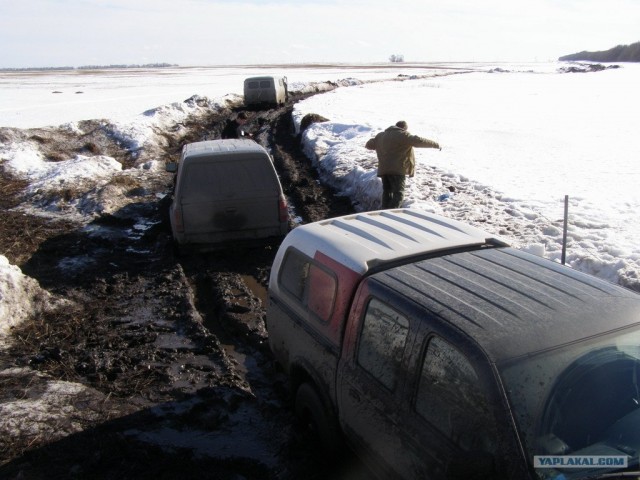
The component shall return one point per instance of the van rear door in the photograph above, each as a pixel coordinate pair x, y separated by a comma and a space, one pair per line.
230, 197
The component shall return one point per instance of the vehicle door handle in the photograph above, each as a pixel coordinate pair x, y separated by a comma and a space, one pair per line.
354, 394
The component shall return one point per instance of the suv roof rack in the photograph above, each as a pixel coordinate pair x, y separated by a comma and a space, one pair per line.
367, 240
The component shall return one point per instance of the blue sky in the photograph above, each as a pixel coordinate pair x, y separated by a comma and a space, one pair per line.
44, 33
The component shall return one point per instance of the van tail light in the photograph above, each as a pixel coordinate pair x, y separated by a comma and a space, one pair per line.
178, 223
282, 208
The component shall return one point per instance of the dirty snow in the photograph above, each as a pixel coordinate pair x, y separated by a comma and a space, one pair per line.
47, 405
53, 409
20, 298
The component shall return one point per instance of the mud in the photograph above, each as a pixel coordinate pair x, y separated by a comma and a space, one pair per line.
172, 350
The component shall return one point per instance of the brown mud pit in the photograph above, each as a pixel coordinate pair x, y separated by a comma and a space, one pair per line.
173, 351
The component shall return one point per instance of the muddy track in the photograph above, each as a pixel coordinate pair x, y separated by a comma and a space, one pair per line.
167, 344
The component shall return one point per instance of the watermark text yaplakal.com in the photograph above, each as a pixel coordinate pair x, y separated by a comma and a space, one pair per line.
580, 461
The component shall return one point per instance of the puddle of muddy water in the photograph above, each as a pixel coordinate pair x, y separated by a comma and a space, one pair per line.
257, 289
105, 231
174, 342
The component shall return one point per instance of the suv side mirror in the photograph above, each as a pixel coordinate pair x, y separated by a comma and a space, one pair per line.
171, 167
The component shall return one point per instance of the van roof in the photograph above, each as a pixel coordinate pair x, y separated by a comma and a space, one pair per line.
263, 77
513, 303
367, 240
222, 147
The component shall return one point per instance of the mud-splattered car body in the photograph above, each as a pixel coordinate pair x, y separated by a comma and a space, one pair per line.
437, 351
226, 190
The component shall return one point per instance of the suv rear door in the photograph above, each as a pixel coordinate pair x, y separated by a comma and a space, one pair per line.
371, 380
450, 418
423, 403
230, 194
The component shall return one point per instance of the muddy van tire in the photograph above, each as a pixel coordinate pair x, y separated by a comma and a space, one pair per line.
314, 416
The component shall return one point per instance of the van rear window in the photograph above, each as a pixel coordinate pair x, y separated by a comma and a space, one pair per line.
265, 84
207, 181
253, 85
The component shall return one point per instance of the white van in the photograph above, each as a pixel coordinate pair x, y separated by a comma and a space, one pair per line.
265, 90
226, 190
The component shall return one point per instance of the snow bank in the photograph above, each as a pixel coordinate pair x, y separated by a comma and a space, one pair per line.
48, 410
65, 188
145, 133
20, 298
75, 173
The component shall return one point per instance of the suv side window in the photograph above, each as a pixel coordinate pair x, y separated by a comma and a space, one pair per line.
449, 397
382, 340
313, 286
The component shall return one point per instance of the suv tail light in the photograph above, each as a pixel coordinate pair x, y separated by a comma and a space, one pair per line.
282, 208
177, 220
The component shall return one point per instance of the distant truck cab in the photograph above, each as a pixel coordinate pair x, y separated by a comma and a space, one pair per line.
226, 190
268, 90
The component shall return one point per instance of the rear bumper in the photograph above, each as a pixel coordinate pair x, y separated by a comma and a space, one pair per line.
236, 236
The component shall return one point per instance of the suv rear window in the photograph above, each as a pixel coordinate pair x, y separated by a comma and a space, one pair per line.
221, 179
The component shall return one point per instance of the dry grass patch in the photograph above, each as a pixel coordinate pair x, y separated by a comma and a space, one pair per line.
126, 181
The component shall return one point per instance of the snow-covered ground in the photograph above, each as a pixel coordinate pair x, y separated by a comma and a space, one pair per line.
37, 99
516, 139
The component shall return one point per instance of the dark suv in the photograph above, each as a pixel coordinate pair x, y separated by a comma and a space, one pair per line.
437, 351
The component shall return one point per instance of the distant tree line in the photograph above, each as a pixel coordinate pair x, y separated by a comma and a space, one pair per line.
146, 65
31, 69
395, 58
88, 67
621, 53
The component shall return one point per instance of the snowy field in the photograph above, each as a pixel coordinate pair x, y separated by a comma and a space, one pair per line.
37, 99
516, 139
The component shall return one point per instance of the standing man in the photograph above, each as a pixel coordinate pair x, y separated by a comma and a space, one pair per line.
394, 148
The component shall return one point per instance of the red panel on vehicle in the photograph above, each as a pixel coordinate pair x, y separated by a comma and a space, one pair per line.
348, 281
322, 287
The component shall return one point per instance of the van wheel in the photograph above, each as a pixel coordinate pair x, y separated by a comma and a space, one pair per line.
312, 414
